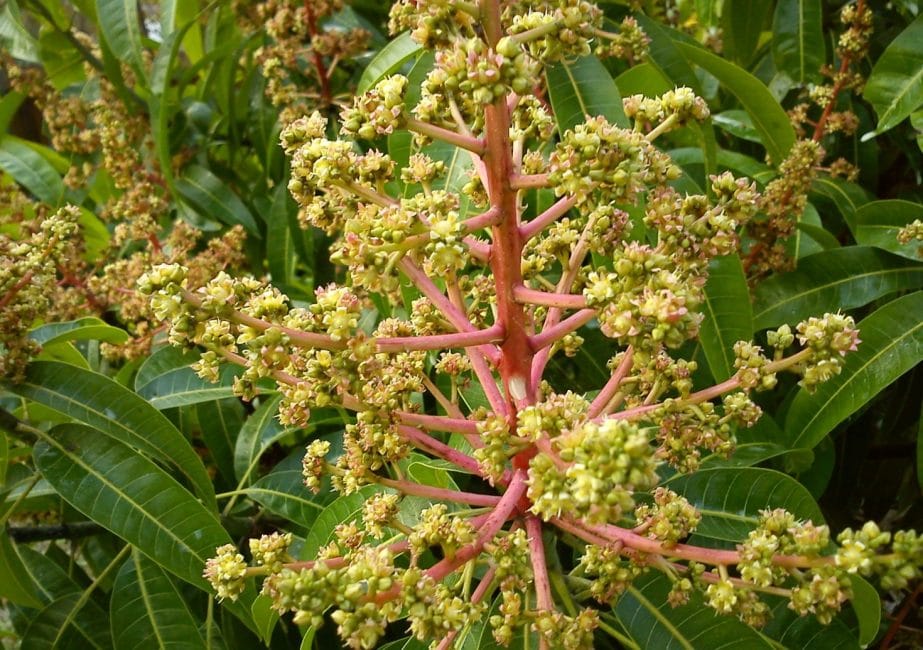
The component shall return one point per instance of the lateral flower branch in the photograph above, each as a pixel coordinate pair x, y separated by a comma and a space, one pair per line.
545, 463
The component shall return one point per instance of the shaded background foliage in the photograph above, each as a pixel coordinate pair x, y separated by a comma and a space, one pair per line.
125, 568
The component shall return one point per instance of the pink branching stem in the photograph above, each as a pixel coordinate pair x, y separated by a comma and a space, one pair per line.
477, 249
551, 334
539, 567
492, 334
438, 422
557, 210
612, 386
559, 300
488, 530
442, 494
455, 316
564, 286
450, 407
478, 363
529, 181
467, 142
714, 391
483, 220
476, 597
297, 337
336, 562
488, 525
436, 448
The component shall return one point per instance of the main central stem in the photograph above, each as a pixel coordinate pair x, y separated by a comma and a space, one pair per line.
506, 249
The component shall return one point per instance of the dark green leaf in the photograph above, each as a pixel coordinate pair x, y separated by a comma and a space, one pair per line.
892, 344
895, 86
878, 222
117, 412
259, 432
16, 584
842, 278
264, 616
221, 422
284, 493
343, 510
653, 623
148, 611
768, 117
126, 493
798, 39
583, 88
280, 244
742, 22
390, 59
728, 318
121, 27
69, 623
730, 499
794, 631
82, 329
166, 380
31, 170
867, 606
214, 199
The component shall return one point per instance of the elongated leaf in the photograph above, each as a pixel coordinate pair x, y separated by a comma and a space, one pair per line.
280, 244
68, 623
114, 410
284, 493
118, 21
798, 39
847, 197
182, 387
742, 22
264, 616
390, 59
82, 329
878, 222
793, 631
730, 499
895, 86
343, 510
728, 318
148, 611
581, 88
259, 432
652, 622
221, 422
14, 36
801, 244
31, 171
213, 199
867, 605
126, 493
892, 344
768, 117
842, 278
15, 582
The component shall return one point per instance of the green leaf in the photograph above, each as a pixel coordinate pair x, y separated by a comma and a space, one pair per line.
581, 88
32, 171
128, 494
892, 344
280, 244
148, 611
727, 313
166, 380
895, 85
259, 432
847, 197
867, 606
730, 499
842, 278
14, 36
213, 199
121, 27
389, 60
82, 329
220, 422
769, 118
68, 623
264, 616
878, 222
798, 39
16, 584
742, 22
794, 631
284, 493
800, 244
117, 412
343, 510
653, 623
